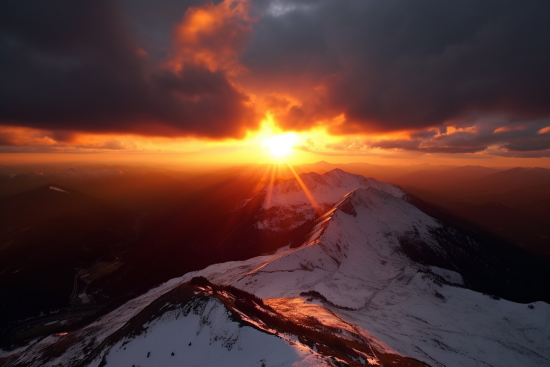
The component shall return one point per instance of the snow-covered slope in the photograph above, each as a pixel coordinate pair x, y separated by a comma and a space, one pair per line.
358, 266
359, 251
353, 279
203, 332
288, 204
197, 323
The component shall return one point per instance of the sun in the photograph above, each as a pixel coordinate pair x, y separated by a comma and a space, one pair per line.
281, 144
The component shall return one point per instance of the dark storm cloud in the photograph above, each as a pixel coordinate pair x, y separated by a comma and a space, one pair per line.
516, 137
153, 20
402, 64
75, 65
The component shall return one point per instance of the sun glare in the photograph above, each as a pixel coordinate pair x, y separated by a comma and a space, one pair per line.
280, 145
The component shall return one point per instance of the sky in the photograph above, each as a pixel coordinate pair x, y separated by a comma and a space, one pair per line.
381, 81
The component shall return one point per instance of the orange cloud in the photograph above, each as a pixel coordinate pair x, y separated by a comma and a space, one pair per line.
509, 128
59, 141
212, 36
545, 130
22, 136
453, 130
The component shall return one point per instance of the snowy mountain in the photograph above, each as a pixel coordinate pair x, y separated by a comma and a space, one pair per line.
284, 210
287, 205
376, 281
357, 265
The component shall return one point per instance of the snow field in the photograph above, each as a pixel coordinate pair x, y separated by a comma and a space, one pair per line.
206, 338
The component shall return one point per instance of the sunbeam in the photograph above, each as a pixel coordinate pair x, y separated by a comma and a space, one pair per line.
305, 189
270, 186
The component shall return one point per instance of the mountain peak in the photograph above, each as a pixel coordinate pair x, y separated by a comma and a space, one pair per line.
338, 171
313, 195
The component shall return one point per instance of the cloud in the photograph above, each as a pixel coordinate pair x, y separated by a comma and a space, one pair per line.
23, 137
491, 137
212, 36
112, 145
75, 66
405, 65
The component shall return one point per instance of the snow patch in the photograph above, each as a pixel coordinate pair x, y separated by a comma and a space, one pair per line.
241, 205
58, 189
450, 276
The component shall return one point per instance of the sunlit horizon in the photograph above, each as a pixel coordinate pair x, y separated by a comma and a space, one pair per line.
268, 144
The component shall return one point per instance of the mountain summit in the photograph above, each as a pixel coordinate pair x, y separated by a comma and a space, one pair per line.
288, 204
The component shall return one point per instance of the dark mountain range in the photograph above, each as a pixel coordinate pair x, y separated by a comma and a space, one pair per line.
448, 178
129, 189
520, 227
515, 178
539, 207
513, 204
